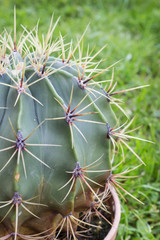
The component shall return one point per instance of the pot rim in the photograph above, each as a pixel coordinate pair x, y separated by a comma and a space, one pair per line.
117, 215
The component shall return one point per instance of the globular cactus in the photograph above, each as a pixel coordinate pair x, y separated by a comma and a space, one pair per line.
56, 137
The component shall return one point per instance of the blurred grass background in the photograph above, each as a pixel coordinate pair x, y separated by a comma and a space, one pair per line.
131, 30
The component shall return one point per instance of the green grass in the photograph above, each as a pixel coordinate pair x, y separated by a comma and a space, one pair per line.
131, 30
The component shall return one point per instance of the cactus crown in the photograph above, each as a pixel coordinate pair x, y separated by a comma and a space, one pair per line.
58, 137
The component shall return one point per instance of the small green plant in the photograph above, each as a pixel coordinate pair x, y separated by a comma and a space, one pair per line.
58, 137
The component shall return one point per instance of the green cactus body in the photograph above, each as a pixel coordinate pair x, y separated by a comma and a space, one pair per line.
52, 127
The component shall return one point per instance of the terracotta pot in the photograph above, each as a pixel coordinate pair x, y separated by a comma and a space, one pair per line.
116, 211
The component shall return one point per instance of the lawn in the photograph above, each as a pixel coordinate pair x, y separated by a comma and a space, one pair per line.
132, 34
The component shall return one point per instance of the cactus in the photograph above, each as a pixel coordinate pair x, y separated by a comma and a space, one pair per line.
58, 137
